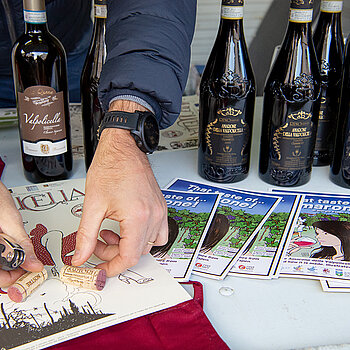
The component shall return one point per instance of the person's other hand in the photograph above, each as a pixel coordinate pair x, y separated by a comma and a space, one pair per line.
11, 224
120, 185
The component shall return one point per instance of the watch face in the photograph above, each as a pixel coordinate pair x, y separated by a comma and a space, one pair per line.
151, 132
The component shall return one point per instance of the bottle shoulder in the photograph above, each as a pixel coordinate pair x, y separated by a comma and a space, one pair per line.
32, 45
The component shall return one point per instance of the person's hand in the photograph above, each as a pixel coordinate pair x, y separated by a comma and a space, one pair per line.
11, 224
120, 185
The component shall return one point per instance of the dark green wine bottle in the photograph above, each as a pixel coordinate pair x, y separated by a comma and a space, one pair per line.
91, 108
340, 166
291, 104
226, 104
329, 46
41, 86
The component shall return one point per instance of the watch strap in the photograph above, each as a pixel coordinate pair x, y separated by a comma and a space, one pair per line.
119, 120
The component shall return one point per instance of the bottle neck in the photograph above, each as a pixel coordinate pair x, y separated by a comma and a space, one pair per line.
331, 7
34, 14
231, 17
300, 20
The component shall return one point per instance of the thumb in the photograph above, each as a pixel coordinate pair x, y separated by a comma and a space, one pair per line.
87, 234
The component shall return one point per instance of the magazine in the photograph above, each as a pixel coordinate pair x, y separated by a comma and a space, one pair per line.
56, 312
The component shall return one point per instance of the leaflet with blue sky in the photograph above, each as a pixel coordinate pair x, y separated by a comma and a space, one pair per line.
320, 243
189, 218
264, 255
239, 217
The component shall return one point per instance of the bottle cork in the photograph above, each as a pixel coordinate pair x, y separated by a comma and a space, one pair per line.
83, 277
25, 285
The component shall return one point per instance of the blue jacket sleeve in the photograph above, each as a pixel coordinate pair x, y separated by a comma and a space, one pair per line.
148, 53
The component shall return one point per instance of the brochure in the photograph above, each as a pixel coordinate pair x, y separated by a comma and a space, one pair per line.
189, 217
319, 246
239, 217
264, 255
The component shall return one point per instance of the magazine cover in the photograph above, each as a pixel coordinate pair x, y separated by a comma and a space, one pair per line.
57, 312
239, 217
264, 255
189, 217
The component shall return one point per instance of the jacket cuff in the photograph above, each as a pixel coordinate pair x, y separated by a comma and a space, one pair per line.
132, 98
133, 95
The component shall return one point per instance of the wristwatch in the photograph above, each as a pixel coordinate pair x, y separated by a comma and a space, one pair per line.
143, 127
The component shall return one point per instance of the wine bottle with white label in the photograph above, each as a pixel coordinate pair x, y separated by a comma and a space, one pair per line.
291, 104
329, 46
40, 79
226, 104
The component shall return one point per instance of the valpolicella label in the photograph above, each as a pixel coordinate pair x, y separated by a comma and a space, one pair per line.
334, 6
35, 17
301, 11
292, 141
227, 137
232, 9
42, 121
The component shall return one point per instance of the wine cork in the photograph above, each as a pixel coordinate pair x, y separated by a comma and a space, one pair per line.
25, 285
83, 277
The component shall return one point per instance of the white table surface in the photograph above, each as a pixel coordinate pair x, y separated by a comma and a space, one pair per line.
260, 314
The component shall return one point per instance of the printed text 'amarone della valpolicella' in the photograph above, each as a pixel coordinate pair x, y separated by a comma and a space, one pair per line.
291, 104
40, 78
226, 105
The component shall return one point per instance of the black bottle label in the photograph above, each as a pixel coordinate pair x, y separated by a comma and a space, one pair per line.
291, 142
334, 6
42, 121
232, 9
226, 138
325, 127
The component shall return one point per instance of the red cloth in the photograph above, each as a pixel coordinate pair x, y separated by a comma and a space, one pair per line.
183, 326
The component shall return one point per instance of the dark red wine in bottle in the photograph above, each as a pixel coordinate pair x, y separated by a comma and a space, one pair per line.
329, 46
291, 104
40, 79
226, 104
340, 166
92, 112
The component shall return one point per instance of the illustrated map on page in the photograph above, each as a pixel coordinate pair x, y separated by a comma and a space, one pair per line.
239, 217
189, 217
56, 312
264, 255
320, 245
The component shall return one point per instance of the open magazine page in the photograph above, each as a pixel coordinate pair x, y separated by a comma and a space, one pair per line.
189, 217
320, 244
239, 217
264, 255
56, 312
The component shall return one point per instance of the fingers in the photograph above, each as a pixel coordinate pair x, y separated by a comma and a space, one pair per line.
161, 237
12, 225
89, 227
10, 277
